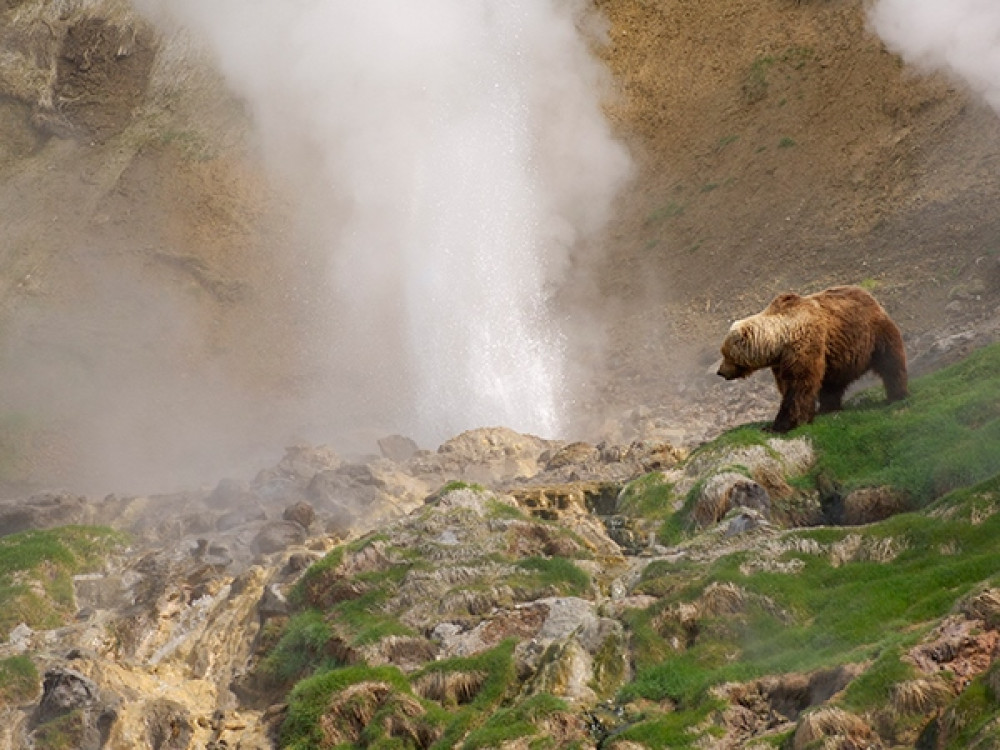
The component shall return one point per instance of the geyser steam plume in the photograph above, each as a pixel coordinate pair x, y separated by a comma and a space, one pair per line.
960, 37
453, 153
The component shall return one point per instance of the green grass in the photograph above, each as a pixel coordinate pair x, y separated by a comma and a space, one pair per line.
37, 569
511, 723
972, 714
667, 731
756, 83
478, 720
309, 589
456, 485
310, 699
679, 525
19, 681
871, 690
501, 511
941, 447
664, 213
363, 620
539, 573
61, 733
301, 649
945, 436
650, 496
856, 612
501, 679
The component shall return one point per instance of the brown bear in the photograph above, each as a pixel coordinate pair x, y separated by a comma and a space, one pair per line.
816, 346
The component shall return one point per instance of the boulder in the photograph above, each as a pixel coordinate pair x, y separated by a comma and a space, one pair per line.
275, 536
43, 512
397, 448
301, 513
66, 691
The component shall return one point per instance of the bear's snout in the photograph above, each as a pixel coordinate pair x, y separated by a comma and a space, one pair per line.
729, 371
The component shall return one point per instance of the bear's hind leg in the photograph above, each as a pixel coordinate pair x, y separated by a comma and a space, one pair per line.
889, 363
831, 399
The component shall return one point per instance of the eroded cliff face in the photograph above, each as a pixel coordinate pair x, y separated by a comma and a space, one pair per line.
152, 312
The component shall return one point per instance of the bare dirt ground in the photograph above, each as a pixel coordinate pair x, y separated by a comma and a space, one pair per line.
781, 147
778, 146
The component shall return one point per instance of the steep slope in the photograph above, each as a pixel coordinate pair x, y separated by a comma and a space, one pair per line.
783, 147
156, 284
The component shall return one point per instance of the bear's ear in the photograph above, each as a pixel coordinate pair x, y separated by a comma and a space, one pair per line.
784, 302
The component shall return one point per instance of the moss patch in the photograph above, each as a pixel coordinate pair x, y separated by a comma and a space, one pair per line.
37, 569
19, 680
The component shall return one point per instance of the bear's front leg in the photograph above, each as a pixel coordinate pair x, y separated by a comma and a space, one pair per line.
785, 420
798, 401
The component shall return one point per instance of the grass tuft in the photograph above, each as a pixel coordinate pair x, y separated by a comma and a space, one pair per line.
37, 569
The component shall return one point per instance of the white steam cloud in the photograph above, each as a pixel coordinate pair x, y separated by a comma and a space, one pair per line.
449, 156
961, 37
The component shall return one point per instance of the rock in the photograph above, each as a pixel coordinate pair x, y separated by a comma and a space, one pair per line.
488, 455
272, 603
566, 499
43, 512
832, 722
725, 491
168, 725
98, 591
566, 672
231, 493
751, 496
573, 616
334, 487
870, 504
299, 561
301, 513
20, 638
66, 691
275, 536
240, 516
655, 455
397, 448
301, 463
572, 454
948, 344
746, 520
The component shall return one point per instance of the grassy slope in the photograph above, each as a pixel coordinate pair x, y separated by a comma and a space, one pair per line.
37, 569
867, 605
941, 447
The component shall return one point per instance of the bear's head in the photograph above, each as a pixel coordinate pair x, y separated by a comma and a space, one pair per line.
748, 347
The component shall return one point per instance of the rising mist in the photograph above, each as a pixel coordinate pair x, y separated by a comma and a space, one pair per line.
960, 37
446, 157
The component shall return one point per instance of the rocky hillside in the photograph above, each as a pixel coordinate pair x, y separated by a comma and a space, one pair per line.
835, 587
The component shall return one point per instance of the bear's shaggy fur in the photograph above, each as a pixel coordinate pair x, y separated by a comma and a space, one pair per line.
816, 346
